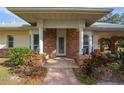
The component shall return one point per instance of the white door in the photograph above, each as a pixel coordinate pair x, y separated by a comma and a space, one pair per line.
61, 42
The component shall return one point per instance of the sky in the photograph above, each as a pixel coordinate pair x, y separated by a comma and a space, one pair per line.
119, 10
61, 3
65, 3
8, 17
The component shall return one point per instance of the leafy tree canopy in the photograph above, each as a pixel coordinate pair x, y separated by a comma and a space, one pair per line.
113, 18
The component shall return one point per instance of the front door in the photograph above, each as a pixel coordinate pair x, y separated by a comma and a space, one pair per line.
61, 42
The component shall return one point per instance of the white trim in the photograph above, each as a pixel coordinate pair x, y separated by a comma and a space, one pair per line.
90, 42
62, 23
40, 27
61, 33
32, 38
106, 25
90, 45
81, 34
14, 25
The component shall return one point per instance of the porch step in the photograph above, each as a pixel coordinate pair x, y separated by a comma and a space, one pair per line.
61, 63
58, 59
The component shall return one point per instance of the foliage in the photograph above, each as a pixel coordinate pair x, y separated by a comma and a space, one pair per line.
100, 66
113, 18
107, 42
122, 57
33, 59
121, 42
32, 69
83, 78
112, 57
17, 54
90, 68
121, 68
5, 73
112, 66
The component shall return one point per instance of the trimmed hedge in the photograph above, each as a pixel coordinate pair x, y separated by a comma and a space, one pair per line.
16, 55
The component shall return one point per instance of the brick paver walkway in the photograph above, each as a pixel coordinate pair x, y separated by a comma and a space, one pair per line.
60, 76
60, 72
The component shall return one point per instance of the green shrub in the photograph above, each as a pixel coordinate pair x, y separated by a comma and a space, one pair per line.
122, 57
17, 54
90, 68
121, 68
112, 66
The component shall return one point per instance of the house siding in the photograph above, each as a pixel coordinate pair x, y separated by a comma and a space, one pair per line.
21, 38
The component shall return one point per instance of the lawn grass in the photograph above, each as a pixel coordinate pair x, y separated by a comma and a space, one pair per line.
8, 76
5, 74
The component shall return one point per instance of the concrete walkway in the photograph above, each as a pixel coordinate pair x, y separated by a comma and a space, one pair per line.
60, 76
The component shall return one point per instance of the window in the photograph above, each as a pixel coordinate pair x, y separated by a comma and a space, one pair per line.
36, 42
61, 44
86, 44
10, 41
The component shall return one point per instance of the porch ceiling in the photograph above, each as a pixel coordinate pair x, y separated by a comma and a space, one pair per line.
32, 15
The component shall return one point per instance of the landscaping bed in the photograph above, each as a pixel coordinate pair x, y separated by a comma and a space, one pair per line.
24, 67
100, 67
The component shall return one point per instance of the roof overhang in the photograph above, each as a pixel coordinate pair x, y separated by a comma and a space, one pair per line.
32, 15
99, 26
18, 28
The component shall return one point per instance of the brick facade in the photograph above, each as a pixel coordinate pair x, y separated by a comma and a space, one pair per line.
50, 36
72, 43
50, 42
4, 53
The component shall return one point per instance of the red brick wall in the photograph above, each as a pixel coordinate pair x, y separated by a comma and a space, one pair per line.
50, 42
4, 53
72, 43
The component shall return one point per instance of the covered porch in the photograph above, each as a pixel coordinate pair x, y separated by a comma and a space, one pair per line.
62, 42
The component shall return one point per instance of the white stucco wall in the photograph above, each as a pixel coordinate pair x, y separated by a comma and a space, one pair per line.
21, 38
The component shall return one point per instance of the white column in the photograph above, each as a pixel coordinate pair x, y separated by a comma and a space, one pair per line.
90, 42
31, 40
81, 34
40, 27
